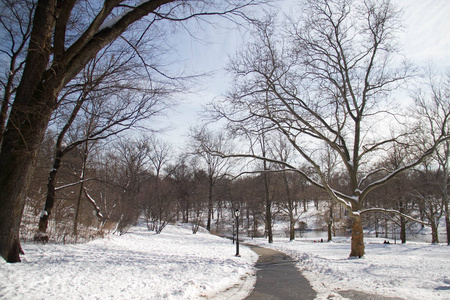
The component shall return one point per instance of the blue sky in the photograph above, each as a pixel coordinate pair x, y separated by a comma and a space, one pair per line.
426, 37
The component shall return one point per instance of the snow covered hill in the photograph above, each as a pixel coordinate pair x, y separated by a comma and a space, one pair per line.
179, 265
175, 264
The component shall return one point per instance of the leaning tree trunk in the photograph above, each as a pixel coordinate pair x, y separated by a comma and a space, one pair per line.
59, 153
51, 192
357, 238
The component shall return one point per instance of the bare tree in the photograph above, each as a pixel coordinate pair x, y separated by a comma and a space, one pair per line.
432, 108
91, 94
199, 199
57, 52
327, 79
182, 174
216, 167
159, 195
427, 194
133, 175
16, 22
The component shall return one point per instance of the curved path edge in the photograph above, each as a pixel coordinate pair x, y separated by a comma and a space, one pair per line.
278, 278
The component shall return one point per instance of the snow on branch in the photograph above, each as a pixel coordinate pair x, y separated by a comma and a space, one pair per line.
97, 209
71, 184
339, 197
393, 211
411, 165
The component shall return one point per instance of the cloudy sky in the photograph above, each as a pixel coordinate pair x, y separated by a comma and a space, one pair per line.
426, 37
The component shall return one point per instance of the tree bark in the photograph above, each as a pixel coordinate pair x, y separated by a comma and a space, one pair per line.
291, 226
210, 206
447, 223
445, 190
358, 247
330, 224
402, 224
50, 199
403, 230
24, 132
434, 232
268, 206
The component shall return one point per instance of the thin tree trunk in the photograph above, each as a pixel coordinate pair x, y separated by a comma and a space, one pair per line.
330, 224
77, 208
210, 208
386, 228
77, 213
402, 224
445, 191
268, 205
59, 153
447, 223
50, 199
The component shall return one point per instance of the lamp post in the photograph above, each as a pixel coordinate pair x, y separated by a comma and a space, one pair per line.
236, 214
233, 234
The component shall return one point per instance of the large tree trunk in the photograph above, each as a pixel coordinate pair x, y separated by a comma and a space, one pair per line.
25, 130
357, 238
17, 161
434, 231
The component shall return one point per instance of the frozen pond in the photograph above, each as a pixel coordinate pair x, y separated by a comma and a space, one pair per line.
321, 234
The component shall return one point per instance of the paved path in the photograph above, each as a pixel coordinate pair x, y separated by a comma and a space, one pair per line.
278, 278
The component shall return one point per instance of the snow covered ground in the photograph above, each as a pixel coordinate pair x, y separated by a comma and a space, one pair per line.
409, 271
138, 265
179, 265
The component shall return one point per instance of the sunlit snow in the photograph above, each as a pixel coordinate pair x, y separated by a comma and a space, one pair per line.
177, 264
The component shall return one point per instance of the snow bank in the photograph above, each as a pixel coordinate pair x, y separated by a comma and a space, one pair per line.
138, 265
408, 271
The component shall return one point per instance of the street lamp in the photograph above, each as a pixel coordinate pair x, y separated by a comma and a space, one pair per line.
236, 214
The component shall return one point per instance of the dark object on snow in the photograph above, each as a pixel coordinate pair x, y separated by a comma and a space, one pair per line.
41, 237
